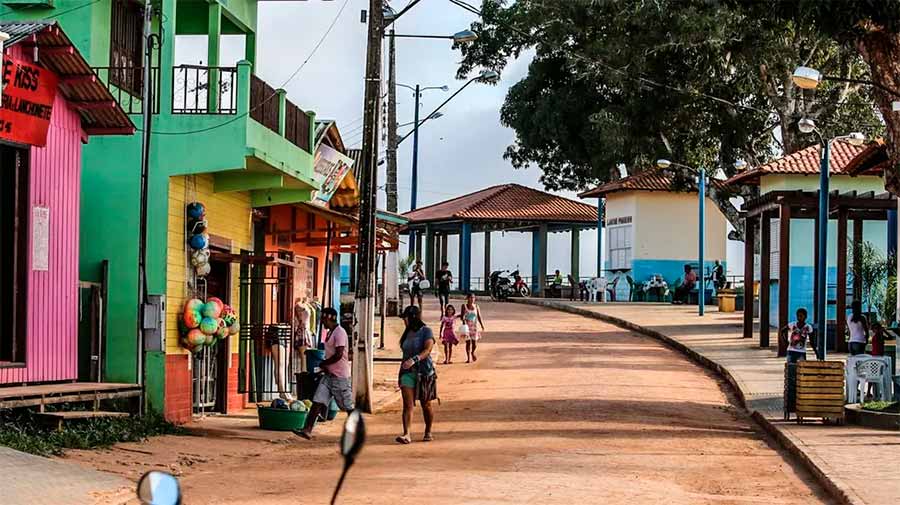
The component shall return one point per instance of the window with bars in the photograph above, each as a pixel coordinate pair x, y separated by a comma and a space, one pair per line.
126, 45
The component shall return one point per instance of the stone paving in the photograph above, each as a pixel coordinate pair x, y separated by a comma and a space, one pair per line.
855, 464
26, 479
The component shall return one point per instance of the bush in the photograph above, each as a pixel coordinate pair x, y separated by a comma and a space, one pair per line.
22, 431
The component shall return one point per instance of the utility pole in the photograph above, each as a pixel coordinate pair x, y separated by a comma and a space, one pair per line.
363, 337
391, 272
414, 187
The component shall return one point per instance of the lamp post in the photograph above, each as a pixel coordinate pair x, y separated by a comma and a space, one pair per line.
484, 76
808, 78
701, 223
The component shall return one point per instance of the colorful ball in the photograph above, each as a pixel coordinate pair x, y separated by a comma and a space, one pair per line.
209, 326
199, 241
200, 257
191, 318
222, 332
228, 315
298, 406
278, 403
213, 307
196, 338
196, 210
235, 328
203, 270
194, 304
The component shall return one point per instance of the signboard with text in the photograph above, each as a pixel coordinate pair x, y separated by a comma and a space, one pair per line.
28, 94
330, 168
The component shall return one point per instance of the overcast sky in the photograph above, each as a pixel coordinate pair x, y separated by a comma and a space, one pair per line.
458, 153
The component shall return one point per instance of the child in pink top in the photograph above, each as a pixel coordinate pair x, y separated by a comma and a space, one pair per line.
448, 335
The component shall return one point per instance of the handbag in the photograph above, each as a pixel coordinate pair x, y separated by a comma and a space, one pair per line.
424, 284
464, 329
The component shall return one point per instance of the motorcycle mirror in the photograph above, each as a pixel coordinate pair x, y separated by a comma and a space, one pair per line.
159, 488
354, 436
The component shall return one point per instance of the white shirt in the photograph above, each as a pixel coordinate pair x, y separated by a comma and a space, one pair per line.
857, 331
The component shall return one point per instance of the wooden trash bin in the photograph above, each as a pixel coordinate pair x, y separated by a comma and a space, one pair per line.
727, 300
820, 390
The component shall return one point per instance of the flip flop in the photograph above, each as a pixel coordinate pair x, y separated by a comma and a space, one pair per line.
403, 440
303, 434
428, 437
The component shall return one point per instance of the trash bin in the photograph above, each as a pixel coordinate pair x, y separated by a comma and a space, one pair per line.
727, 300
790, 389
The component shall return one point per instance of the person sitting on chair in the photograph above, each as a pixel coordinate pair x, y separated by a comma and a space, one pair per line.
683, 292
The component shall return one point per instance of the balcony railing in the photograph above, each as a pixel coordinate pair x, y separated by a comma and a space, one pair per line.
191, 86
126, 86
296, 126
264, 103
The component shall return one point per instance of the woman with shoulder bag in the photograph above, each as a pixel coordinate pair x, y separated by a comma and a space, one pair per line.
418, 380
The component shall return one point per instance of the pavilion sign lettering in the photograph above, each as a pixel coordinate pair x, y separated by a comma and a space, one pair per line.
618, 220
28, 94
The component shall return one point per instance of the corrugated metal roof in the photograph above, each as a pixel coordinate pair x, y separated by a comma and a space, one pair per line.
356, 156
87, 89
803, 162
508, 202
648, 180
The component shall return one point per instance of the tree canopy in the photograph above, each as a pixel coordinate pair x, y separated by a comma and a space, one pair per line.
631, 81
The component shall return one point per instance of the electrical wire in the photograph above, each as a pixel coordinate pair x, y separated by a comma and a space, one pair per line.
273, 95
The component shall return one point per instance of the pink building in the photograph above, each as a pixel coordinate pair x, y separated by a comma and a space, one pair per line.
52, 103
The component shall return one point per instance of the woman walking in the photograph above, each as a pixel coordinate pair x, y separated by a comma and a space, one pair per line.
471, 316
859, 329
417, 378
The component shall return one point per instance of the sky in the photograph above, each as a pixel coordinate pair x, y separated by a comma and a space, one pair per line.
459, 153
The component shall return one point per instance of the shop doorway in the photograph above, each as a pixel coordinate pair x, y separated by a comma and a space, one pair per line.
210, 364
14, 220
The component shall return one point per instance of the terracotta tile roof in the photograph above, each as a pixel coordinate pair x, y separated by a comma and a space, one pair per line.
648, 180
873, 160
803, 162
508, 202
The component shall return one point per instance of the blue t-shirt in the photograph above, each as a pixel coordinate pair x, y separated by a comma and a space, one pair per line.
414, 345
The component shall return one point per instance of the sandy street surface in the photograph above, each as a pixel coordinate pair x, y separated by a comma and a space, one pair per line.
558, 408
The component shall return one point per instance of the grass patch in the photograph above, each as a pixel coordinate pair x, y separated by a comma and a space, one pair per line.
890, 407
20, 430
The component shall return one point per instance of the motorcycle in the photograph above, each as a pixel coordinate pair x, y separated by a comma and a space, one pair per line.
501, 287
162, 488
519, 286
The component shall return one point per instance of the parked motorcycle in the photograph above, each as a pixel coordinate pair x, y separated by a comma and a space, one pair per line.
501, 286
519, 286
161, 488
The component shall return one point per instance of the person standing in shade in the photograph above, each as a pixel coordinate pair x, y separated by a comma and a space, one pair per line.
797, 334
418, 380
718, 275
444, 278
335, 384
415, 284
683, 292
859, 329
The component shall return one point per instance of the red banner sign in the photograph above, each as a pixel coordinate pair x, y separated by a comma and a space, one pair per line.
28, 94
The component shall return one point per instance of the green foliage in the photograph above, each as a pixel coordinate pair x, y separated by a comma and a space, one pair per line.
631, 81
405, 265
871, 268
881, 406
20, 430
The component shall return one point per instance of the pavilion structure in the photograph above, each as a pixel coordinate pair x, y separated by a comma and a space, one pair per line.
508, 207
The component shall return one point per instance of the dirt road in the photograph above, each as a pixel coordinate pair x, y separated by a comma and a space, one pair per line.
557, 408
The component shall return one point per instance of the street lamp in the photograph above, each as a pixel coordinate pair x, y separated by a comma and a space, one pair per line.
807, 125
436, 115
701, 193
810, 78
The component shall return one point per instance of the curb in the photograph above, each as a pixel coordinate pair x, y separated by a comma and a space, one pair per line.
835, 487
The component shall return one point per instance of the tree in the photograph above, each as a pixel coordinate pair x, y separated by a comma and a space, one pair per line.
872, 28
872, 269
632, 81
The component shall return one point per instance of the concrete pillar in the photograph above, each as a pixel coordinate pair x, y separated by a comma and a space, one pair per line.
418, 240
575, 261
601, 204
250, 47
282, 110
784, 274
444, 247
487, 260
465, 258
765, 277
539, 260
429, 254
214, 38
749, 239
841, 306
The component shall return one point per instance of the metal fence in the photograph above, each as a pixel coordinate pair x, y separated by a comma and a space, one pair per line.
191, 87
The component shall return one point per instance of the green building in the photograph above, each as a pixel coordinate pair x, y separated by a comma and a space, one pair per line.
243, 147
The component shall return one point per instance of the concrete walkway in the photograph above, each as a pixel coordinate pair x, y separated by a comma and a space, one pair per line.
26, 480
854, 463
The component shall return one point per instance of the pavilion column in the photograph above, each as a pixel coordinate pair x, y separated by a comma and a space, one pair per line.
784, 273
444, 247
857, 241
575, 260
465, 258
600, 205
765, 277
418, 241
353, 273
487, 259
539, 260
892, 233
815, 245
429, 254
749, 242
841, 307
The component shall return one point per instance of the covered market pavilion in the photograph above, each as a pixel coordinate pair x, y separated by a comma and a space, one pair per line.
507, 207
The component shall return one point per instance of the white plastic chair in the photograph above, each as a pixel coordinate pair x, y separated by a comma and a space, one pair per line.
870, 371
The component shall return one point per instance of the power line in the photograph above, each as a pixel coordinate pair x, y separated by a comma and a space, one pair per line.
273, 95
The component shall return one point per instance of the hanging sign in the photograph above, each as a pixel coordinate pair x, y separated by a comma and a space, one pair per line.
330, 169
28, 94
